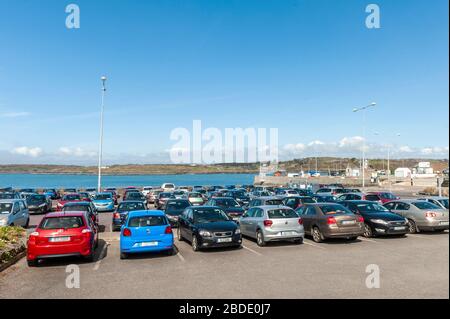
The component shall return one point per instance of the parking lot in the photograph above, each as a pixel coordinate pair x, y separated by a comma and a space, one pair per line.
415, 266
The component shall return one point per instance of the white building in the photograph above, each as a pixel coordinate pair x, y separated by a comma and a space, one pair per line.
402, 172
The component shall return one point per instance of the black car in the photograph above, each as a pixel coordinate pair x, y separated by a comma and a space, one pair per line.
174, 208
52, 193
207, 227
229, 205
378, 220
325, 198
295, 202
239, 195
121, 212
39, 203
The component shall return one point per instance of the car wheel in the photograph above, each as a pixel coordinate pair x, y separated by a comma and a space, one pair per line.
195, 243
353, 238
179, 236
317, 235
32, 263
368, 231
260, 239
123, 256
412, 226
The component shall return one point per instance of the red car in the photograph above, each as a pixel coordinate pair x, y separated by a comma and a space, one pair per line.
380, 197
61, 235
69, 198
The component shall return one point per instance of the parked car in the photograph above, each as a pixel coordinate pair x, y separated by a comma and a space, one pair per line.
52, 193
286, 193
174, 208
70, 191
103, 202
146, 190
163, 197
87, 207
378, 220
229, 205
91, 191
350, 196
206, 227
272, 223
239, 195
135, 196
329, 191
421, 215
323, 198
195, 198
153, 195
14, 212
295, 202
180, 194
10, 195
62, 234
439, 201
38, 203
380, 197
330, 220
265, 201
146, 231
86, 196
168, 187
121, 212
68, 198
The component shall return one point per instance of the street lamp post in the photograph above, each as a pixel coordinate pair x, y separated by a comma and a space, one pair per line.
100, 147
363, 109
389, 161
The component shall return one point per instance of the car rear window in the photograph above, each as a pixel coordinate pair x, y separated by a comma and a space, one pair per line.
72, 197
308, 200
334, 210
275, 202
65, 222
372, 197
76, 208
282, 213
425, 205
147, 221
126, 207
5, 208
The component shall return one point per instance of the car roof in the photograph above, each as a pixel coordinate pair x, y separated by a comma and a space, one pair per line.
408, 200
268, 207
130, 201
269, 197
434, 197
142, 213
215, 198
77, 204
62, 214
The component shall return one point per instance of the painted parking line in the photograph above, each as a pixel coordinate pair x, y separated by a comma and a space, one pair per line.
313, 245
178, 254
251, 250
101, 256
368, 240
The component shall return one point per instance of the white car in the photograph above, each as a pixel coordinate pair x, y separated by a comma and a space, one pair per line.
146, 190
168, 187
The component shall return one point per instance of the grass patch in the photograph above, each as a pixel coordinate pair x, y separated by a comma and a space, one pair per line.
11, 242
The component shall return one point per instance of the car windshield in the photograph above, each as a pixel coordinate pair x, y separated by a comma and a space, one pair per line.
178, 193
36, 198
209, 216
425, 205
274, 202
444, 202
195, 195
6, 196
334, 210
228, 202
135, 196
63, 222
371, 208
308, 200
128, 207
5, 208
387, 196
102, 197
282, 213
71, 197
147, 221
75, 208
177, 205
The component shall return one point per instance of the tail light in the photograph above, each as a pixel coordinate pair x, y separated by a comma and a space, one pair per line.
430, 214
126, 232
34, 234
116, 216
168, 230
360, 219
86, 231
331, 221
268, 223
300, 221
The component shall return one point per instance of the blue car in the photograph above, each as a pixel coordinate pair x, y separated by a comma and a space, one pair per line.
103, 202
146, 231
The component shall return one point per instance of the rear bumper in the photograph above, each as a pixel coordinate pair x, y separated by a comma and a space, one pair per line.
344, 232
433, 224
50, 251
132, 245
280, 236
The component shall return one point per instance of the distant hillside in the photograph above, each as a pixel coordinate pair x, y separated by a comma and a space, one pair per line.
323, 163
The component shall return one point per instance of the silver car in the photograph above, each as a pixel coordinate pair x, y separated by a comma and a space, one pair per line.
439, 201
272, 223
14, 212
421, 215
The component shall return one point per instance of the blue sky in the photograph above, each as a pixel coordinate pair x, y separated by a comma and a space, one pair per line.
298, 65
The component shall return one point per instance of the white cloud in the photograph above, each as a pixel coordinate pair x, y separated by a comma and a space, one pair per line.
351, 141
14, 114
27, 151
75, 151
405, 149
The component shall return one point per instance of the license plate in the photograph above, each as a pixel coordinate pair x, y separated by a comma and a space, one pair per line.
444, 223
149, 244
400, 228
58, 239
224, 240
348, 222
288, 233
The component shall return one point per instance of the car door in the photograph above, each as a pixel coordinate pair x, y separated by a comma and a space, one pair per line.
15, 215
257, 218
402, 209
24, 214
245, 222
308, 216
189, 229
182, 222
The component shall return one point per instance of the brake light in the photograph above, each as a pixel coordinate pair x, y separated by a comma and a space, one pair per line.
34, 234
126, 232
300, 221
116, 215
430, 214
361, 219
331, 221
268, 223
86, 231
168, 230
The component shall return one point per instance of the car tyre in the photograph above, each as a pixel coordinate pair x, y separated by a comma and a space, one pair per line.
179, 236
32, 263
412, 226
123, 256
353, 238
260, 239
194, 243
317, 235
368, 233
